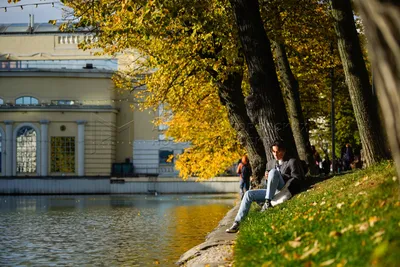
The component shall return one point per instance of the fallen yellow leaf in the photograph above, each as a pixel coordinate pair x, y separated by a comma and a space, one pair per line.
335, 234
294, 244
298, 238
363, 226
328, 262
354, 203
365, 178
266, 264
312, 251
347, 228
377, 234
373, 220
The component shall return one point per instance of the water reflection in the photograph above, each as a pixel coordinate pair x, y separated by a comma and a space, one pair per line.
105, 230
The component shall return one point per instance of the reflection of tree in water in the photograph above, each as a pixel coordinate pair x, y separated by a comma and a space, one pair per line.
26, 150
189, 225
141, 231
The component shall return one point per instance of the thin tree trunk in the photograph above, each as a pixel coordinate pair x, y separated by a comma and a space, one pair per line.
357, 79
231, 96
265, 105
292, 94
382, 27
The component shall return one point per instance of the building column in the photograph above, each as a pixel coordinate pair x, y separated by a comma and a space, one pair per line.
81, 147
9, 146
44, 129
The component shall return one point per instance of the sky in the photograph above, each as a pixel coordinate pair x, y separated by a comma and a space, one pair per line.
43, 13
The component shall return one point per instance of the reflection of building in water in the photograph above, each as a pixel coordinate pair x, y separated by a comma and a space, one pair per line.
60, 114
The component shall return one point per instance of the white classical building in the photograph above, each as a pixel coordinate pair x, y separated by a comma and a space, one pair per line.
60, 114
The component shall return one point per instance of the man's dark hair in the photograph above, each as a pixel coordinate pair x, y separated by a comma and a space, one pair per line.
279, 144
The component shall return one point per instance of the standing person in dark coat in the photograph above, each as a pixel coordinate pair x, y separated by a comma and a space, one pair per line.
348, 157
279, 171
317, 157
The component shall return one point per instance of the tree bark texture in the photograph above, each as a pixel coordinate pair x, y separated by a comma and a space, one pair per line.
231, 96
382, 27
357, 80
292, 95
265, 105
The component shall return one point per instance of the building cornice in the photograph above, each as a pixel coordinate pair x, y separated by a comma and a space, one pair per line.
52, 108
83, 73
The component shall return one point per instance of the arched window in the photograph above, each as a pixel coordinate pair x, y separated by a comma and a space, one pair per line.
26, 150
26, 100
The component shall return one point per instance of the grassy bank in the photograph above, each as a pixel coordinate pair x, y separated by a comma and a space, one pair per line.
347, 220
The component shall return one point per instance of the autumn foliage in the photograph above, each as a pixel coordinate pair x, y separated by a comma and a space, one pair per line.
175, 48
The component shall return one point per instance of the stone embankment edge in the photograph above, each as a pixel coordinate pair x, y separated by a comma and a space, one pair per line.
217, 249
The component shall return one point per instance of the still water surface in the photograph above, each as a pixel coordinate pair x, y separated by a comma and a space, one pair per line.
109, 230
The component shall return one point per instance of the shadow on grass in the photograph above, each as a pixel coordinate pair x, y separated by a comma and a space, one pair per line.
310, 181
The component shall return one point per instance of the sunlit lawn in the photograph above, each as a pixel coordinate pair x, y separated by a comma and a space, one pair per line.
348, 220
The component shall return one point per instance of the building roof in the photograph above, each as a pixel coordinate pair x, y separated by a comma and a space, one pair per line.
38, 28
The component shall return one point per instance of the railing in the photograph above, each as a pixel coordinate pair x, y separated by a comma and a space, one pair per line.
122, 169
102, 64
76, 39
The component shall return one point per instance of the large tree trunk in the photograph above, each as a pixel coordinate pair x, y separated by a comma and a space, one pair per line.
265, 105
357, 79
292, 94
382, 28
231, 96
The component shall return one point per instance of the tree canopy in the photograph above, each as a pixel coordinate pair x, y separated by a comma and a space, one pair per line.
190, 50
189, 47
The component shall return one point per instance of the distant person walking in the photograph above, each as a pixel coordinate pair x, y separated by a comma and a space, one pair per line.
317, 157
244, 170
347, 157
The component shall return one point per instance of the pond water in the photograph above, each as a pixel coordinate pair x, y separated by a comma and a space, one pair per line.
109, 230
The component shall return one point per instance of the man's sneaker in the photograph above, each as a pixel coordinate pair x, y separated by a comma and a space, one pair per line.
260, 204
234, 228
267, 205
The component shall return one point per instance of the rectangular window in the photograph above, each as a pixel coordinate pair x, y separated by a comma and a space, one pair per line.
64, 102
62, 154
165, 156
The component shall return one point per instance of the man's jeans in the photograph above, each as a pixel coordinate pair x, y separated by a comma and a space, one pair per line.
275, 181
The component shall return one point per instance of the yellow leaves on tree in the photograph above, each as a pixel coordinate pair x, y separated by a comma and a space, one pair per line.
179, 42
212, 151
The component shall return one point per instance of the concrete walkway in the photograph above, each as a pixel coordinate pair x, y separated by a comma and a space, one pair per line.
217, 250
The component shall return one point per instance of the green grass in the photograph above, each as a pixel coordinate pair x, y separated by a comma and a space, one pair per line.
347, 220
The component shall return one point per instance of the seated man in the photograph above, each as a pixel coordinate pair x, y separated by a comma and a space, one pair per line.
279, 171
